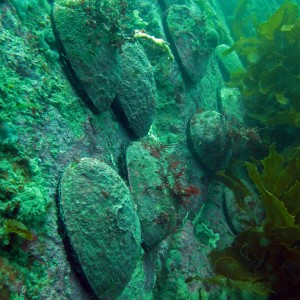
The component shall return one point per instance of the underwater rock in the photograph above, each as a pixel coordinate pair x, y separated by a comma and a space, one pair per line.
188, 33
168, 3
176, 261
209, 135
137, 91
8, 133
212, 38
135, 289
241, 215
229, 63
232, 103
155, 205
86, 32
101, 225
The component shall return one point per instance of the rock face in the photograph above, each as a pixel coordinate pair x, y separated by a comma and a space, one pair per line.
209, 134
188, 33
85, 32
44, 126
137, 91
101, 224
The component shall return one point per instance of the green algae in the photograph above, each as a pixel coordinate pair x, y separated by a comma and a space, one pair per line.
270, 84
29, 85
22, 6
252, 262
23, 207
53, 104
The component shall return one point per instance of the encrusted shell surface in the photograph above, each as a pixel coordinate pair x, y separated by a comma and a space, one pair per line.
101, 225
137, 91
84, 35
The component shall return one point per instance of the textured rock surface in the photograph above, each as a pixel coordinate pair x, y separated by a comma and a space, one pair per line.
232, 103
209, 134
180, 255
188, 34
45, 126
240, 216
85, 31
101, 224
156, 209
161, 188
137, 91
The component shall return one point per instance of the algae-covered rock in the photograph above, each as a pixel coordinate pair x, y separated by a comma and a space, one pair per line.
137, 92
101, 225
150, 188
230, 63
86, 31
188, 32
232, 103
179, 257
209, 134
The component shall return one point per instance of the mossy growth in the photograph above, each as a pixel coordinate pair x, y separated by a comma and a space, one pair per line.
184, 21
214, 21
271, 82
265, 259
22, 6
23, 205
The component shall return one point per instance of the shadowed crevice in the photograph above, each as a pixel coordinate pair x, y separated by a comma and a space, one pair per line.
70, 252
